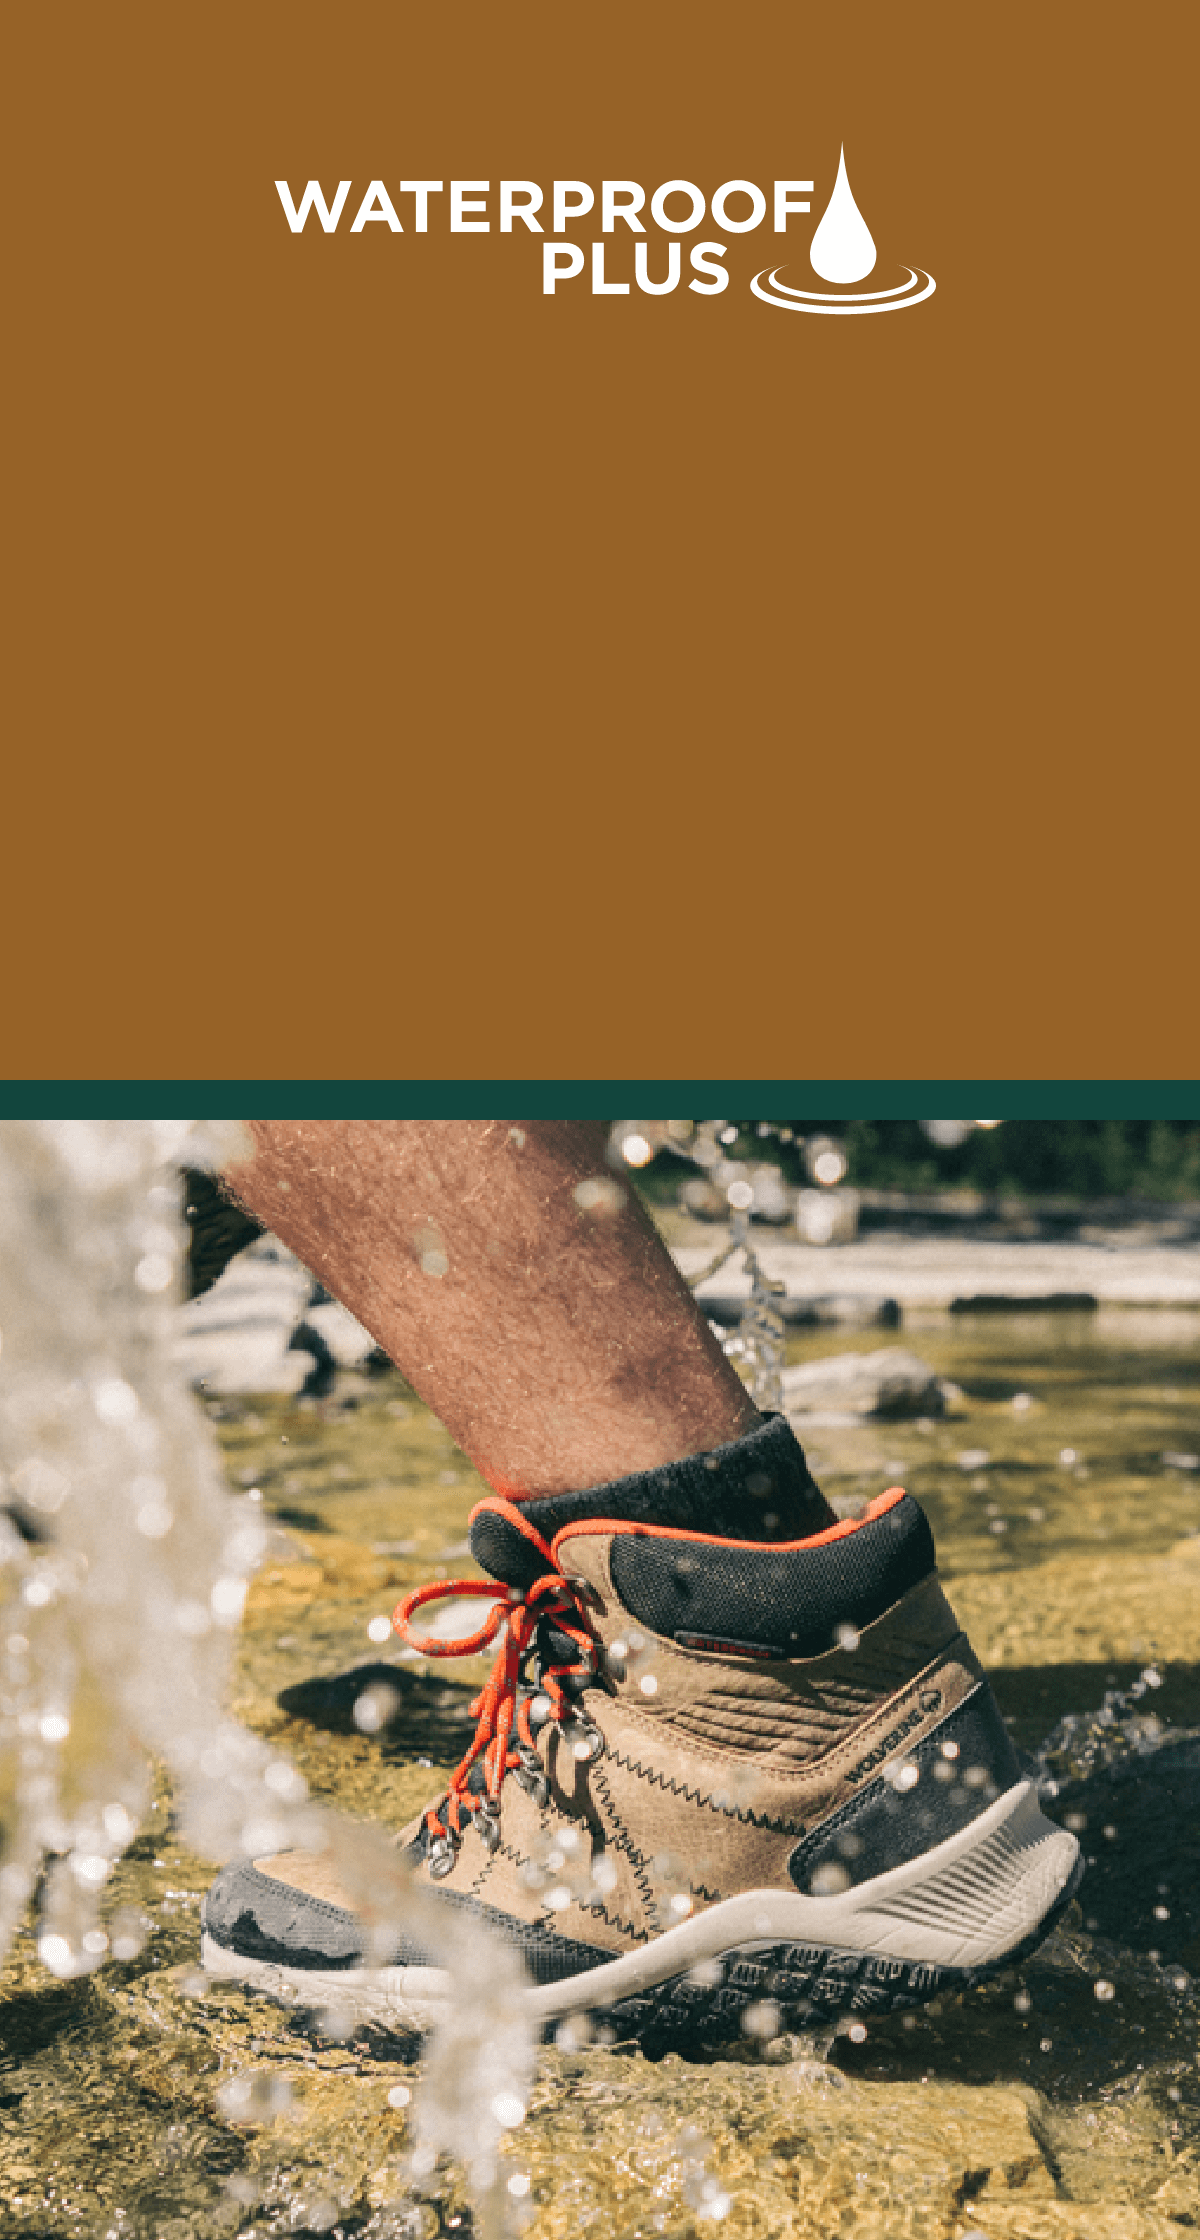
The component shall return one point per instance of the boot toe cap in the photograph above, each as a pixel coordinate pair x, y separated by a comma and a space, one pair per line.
265, 1918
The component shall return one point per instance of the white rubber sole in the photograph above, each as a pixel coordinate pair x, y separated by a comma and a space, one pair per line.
964, 1906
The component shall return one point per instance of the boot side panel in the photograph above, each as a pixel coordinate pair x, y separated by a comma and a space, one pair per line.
946, 1779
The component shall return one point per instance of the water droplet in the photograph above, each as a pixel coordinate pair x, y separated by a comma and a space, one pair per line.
762, 2019
842, 248
227, 1596
599, 1194
128, 1931
57, 1955
375, 1707
830, 1879
90, 1868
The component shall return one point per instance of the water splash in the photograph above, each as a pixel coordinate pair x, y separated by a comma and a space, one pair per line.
761, 1332
757, 1344
1085, 1743
124, 1565
123, 1562
842, 248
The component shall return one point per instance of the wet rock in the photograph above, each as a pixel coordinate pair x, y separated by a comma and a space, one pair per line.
794, 2149
263, 1327
1070, 2220
1093, 1608
350, 1345
890, 1383
236, 1337
830, 1310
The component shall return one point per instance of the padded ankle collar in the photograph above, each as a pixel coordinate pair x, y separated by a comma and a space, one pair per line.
757, 1488
794, 1601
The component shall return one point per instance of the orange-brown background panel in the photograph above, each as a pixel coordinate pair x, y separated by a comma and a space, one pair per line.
416, 675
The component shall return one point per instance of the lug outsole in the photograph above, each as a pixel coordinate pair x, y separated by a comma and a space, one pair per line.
810, 1984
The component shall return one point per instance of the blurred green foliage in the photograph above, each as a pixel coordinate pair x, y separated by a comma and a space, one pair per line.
1059, 1158
1154, 1159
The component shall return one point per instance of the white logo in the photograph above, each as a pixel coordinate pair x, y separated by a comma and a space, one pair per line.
843, 251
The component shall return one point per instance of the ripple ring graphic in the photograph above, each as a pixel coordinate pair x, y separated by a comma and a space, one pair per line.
843, 307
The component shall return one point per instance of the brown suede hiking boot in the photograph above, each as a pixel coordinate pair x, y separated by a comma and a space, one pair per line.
732, 1752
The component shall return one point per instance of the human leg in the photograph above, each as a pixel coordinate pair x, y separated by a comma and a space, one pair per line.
515, 1282
732, 1749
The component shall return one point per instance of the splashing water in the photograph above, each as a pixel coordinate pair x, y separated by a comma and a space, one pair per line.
758, 1342
761, 1332
1083, 1743
124, 1566
842, 248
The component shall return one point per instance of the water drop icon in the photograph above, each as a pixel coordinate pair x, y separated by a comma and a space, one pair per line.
842, 248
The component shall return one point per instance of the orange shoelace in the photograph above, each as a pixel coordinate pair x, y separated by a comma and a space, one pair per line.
504, 1737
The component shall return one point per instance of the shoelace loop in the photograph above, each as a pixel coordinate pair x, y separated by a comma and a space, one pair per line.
504, 1737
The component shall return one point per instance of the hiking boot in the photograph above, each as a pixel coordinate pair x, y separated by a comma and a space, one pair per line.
734, 1754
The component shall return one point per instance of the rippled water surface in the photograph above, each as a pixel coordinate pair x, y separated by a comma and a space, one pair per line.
1061, 2101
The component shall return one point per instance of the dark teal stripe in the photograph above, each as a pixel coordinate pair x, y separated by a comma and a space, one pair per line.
570, 1100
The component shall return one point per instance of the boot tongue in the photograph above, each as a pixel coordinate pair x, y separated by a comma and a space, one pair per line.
759, 1488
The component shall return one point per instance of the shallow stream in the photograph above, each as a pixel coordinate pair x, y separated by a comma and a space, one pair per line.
1064, 1494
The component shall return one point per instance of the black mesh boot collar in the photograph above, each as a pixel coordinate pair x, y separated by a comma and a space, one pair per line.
757, 1488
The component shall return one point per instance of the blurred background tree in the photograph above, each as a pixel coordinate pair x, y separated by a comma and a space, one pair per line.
1082, 1159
